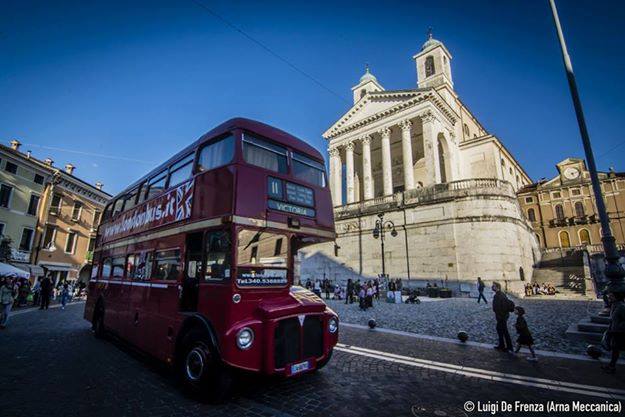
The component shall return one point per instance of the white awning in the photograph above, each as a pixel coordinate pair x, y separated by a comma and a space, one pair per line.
34, 270
7, 270
57, 267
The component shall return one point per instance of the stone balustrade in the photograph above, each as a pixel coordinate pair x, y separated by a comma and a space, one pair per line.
427, 195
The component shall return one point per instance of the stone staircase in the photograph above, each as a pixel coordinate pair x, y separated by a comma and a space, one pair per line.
565, 270
589, 329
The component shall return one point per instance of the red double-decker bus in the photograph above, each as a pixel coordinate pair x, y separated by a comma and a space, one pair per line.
194, 262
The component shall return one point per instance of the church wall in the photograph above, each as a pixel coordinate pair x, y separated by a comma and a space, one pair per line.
456, 240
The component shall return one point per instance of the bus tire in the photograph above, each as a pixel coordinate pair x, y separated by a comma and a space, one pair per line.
325, 361
201, 371
97, 324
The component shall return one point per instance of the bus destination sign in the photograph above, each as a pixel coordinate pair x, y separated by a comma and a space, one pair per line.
291, 208
299, 195
173, 206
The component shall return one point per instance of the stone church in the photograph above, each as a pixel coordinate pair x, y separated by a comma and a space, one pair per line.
444, 186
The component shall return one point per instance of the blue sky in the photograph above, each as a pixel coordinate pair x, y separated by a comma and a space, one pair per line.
139, 80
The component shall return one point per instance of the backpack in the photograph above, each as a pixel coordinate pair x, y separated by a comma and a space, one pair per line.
509, 305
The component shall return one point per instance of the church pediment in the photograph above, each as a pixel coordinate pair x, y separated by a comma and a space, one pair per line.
380, 104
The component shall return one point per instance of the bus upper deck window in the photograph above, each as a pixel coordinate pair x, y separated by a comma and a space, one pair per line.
216, 154
264, 154
156, 185
308, 169
181, 171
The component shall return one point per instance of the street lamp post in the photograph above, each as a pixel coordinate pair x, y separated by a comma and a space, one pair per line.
379, 231
613, 269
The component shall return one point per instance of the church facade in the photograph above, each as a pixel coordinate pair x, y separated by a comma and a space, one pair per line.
420, 161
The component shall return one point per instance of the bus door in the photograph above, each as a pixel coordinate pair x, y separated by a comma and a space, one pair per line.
189, 290
139, 270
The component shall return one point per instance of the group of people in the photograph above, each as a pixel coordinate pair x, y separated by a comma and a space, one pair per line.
546, 288
15, 292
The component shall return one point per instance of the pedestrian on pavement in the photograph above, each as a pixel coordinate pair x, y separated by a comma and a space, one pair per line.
502, 306
361, 299
36, 293
349, 297
65, 294
7, 297
616, 332
317, 288
326, 287
525, 337
376, 288
46, 291
369, 295
480, 290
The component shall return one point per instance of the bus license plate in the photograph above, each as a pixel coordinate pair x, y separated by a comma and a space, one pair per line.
296, 368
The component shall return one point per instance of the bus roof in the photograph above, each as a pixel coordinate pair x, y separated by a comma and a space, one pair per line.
260, 128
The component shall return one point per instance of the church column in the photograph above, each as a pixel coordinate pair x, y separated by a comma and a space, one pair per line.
349, 172
406, 147
430, 147
336, 173
366, 167
387, 173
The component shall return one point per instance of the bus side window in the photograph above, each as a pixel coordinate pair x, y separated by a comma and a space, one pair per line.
218, 256
118, 267
194, 255
143, 268
131, 266
167, 265
156, 185
106, 268
181, 171
119, 206
95, 269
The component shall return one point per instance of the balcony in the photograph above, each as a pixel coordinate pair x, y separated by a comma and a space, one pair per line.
432, 194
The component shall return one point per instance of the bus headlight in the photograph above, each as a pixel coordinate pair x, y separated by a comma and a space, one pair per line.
333, 325
245, 338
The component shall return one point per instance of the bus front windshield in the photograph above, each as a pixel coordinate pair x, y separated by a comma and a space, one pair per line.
259, 248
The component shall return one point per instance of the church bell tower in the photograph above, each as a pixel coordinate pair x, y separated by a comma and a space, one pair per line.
433, 64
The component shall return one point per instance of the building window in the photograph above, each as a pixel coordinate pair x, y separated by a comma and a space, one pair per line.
5, 195
91, 246
70, 243
10, 167
531, 215
503, 162
510, 170
38, 179
465, 129
362, 93
429, 66
76, 211
559, 212
579, 209
584, 237
96, 218
48, 237
565, 242
27, 239
529, 200
55, 205
556, 194
576, 191
33, 205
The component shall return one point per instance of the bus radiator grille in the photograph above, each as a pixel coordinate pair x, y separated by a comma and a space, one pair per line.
287, 342
313, 337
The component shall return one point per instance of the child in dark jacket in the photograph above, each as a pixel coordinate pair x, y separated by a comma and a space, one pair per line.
525, 337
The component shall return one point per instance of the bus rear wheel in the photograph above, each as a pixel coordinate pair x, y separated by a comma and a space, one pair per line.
202, 374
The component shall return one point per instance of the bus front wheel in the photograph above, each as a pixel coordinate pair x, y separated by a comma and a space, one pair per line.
202, 373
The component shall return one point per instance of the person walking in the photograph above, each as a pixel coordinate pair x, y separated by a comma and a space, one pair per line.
480, 290
7, 297
350, 292
65, 294
616, 332
525, 337
502, 307
46, 291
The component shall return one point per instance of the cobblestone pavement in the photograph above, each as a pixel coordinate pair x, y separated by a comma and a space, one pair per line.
547, 319
53, 366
